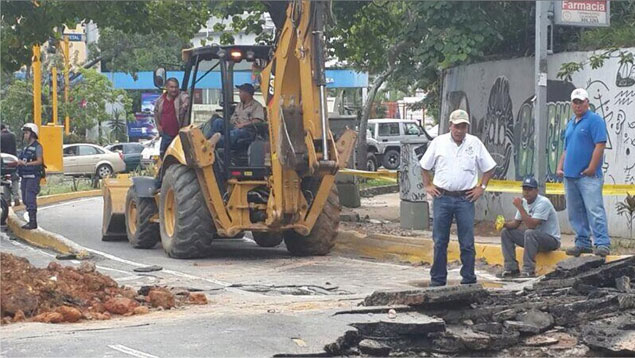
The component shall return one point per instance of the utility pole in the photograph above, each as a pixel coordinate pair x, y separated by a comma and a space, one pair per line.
540, 105
37, 86
67, 84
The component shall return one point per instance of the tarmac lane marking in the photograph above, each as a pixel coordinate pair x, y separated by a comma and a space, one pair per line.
133, 352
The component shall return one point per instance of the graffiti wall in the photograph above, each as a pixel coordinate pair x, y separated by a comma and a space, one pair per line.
499, 96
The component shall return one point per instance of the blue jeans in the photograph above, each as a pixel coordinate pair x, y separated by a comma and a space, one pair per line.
166, 139
585, 206
445, 209
239, 138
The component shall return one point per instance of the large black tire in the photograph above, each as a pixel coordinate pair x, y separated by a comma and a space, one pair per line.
268, 239
322, 237
187, 228
391, 159
142, 233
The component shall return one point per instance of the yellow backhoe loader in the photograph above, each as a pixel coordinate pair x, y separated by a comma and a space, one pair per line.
280, 188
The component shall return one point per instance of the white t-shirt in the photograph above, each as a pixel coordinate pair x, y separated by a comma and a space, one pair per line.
455, 166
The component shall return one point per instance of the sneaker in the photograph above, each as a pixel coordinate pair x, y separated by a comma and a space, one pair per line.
602, 251
508, 274
214, 139
577, 251
527, 274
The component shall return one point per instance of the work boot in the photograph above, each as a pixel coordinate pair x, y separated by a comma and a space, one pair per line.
577, 251
32, 224
602, 251
508, 274
214, 139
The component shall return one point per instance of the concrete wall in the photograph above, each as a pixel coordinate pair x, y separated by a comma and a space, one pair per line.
498, 97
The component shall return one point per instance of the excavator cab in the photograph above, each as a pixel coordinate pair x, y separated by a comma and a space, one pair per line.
280, 186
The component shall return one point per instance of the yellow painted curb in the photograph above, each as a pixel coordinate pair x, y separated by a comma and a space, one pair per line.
46, 239
420, 249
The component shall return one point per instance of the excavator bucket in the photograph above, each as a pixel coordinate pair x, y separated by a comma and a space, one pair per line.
114, 221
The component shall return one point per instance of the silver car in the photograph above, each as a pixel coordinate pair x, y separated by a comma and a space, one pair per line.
85, 159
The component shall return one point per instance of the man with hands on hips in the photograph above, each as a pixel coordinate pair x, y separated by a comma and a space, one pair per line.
456, 158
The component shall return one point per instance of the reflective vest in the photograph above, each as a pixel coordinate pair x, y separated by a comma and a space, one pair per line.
29, 154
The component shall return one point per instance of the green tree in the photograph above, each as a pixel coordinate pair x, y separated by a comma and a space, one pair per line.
16, 104
88, 102
25, 23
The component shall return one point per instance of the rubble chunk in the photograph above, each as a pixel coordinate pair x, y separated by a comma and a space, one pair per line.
604, 335
161, 297
432, 296
87, 267
540, 341
623, 284
574, 266
120, 305
373, 348
70, 314
407, 323
197, 298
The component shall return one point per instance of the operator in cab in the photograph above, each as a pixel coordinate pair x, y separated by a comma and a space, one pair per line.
247, 114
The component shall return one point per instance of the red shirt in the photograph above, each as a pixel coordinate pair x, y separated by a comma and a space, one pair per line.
169, 123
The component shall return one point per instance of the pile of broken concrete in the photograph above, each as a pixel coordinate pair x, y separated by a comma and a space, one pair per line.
57, 294
586, 306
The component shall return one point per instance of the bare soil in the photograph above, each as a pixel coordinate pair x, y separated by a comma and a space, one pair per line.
57, 294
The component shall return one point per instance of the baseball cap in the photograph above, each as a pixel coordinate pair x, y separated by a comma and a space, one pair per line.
459, 116
579, 93
530, 182
247, 87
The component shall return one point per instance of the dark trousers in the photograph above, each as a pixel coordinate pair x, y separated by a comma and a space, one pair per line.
533, 241
447, 208
30, 189
166, 139
239, 138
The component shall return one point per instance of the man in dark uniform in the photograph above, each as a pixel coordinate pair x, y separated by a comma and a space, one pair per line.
7, 142
30, 169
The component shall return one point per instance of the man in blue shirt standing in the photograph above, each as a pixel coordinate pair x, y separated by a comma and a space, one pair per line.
581, 166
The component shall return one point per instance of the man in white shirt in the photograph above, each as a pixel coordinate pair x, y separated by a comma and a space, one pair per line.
542, 233
456, 158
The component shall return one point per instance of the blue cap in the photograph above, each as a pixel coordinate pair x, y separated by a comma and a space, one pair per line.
530, 182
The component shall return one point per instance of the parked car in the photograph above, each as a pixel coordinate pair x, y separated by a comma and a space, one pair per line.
384, 138
85, 159
131, 153
150, 153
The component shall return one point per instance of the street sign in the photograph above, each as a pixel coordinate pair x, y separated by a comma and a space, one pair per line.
583, 13
74, 37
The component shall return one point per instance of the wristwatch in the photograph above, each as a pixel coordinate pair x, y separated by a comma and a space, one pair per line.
483, 186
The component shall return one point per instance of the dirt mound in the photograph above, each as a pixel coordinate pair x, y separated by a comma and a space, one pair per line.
66, 294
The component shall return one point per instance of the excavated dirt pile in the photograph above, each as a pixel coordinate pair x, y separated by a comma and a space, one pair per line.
585, 307
58, 294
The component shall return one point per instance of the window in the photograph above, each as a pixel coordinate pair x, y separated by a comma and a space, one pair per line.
411, 129
70, 151
134, 148
118, 147
388, 129
87, 150
371, 130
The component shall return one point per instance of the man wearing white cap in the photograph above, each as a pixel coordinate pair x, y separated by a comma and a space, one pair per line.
456, 158
581, 166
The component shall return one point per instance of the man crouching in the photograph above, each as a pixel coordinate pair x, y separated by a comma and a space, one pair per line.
542, 233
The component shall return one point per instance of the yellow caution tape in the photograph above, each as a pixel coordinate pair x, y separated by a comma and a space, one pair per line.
380, 174
509, 186
499, 186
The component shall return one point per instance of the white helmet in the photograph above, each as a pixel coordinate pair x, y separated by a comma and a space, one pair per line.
33, 128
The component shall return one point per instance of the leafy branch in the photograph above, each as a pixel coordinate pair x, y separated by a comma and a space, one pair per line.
595, 61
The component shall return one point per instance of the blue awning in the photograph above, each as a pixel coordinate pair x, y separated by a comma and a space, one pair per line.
334, 79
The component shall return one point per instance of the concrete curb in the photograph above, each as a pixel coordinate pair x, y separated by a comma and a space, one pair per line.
420, 250
379, 190
46, 239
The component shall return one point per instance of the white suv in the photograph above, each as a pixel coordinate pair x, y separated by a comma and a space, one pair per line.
384, 137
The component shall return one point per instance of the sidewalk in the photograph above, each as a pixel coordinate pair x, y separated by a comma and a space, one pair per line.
380, 215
